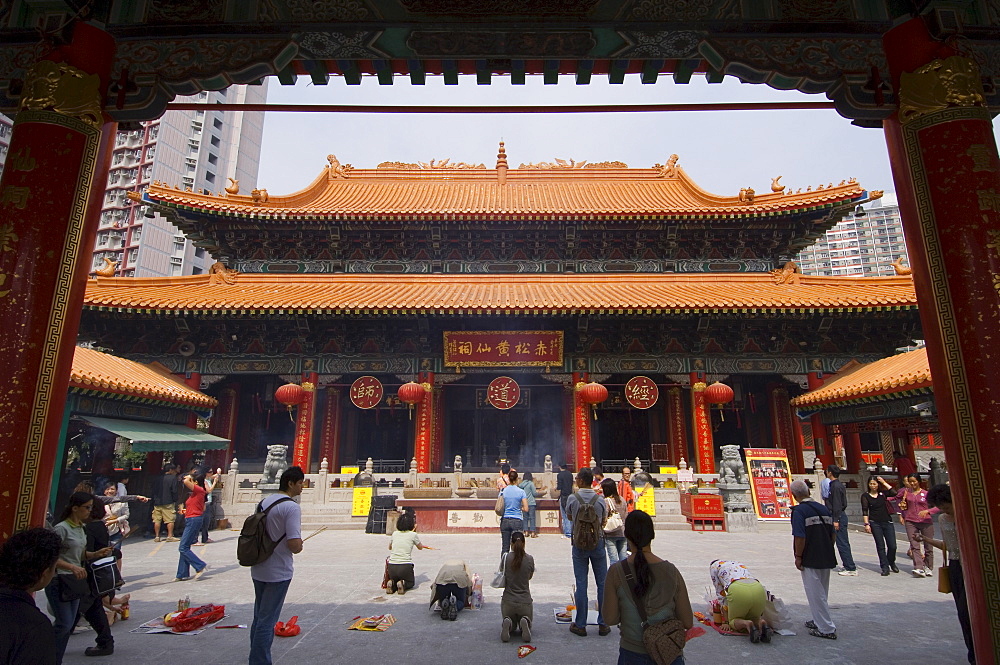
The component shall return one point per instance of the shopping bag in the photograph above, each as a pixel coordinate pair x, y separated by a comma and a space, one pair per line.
104, 576
944, 579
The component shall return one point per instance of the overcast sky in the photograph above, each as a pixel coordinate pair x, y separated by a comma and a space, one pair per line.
721, 151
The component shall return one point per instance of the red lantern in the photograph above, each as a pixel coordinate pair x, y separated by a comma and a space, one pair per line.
719, 393
411, 393
593, 393
290, 395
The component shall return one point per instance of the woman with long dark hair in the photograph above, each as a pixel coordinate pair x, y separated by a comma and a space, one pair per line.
614, 539
530, 492
656, 583
69, 587
516, 605
515, 504
194, 509
875, 509
914, 515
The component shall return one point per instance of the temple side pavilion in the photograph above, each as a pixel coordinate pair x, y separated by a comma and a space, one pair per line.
480, 284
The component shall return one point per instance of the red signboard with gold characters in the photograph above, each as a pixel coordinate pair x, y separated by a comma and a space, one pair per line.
477, 348
366, 392
503, 392
641, 392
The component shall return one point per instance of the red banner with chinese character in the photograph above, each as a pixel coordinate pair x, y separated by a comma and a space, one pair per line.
676, 426
641, 392
703, 443
424, 427
302, 455
366, 392
503, 393
470, 348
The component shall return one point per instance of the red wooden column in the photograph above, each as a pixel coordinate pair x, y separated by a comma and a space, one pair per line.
183, 457
581, 424
330, 433
305, 418
782, 432
437, 431
947, 178
852, 451
798, 445
821, 439
223, 423
704, 445
569, 428
423, 431
50, 203
676, 428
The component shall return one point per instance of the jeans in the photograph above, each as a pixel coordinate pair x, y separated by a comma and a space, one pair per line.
843, 544
529, 520
269, 597
582, 560
460, 594
64, 613
188, 559
957, 578
617, 547
567, 526
508, 525
885, 543
626, 657
206, 521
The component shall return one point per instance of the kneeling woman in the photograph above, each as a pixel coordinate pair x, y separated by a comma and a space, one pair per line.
404, 539
453, 587
743, 599
516, 604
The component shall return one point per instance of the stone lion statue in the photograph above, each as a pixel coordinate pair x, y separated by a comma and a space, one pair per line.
274, 465
731, 468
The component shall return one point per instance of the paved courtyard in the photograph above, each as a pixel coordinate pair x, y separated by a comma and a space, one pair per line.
338, 576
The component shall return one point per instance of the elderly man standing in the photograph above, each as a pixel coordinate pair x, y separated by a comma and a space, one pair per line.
813, 535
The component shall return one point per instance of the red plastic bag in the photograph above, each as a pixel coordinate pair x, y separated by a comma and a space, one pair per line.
198, 617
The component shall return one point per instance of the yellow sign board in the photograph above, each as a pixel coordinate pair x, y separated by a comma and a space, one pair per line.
668, 469
361, 504
350, 469
644, 500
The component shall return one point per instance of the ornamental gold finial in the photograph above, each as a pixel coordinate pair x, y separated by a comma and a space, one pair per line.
234, 186
775, 187
938, 85
64, 89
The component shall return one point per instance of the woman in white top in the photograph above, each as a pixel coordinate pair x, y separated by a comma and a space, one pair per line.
400, 562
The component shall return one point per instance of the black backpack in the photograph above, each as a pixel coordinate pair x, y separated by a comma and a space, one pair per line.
254, 545
587, 528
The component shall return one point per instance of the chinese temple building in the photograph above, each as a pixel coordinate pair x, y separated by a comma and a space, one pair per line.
892, 397
505, 295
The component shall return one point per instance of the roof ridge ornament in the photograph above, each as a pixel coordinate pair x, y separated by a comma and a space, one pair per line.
557, 164
233, 188
220, 274
787, 274
259, 196
775, 187
336, 169
668, 170
747, 195
501, 165
900, 269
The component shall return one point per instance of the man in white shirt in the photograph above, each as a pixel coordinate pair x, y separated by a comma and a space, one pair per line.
272, 577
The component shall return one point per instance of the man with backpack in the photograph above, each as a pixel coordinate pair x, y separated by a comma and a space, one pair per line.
272, 573
587, 513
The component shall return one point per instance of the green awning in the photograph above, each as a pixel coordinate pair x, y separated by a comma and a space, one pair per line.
156, 437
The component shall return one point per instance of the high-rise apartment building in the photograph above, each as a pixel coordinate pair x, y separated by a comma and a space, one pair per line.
865, 244
200, 150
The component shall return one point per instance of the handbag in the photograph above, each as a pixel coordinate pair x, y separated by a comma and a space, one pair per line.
664, 641
614, 520
944, 576
500, 506
499, 577
103, 576
70, 588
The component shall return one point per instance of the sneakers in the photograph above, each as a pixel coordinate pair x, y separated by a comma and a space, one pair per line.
928, 572
181, 579
604, 629
505, 629
106, 650
576, 630
765, 634
452, 609
848, 573
826, 636
754, 634
444, 608
525, 626
811, 625
919, 572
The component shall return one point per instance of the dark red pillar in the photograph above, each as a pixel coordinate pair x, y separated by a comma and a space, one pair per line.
305, 417
947, 178
701, 417
50, 201
424, 423
821, 439
852, 452
330, 433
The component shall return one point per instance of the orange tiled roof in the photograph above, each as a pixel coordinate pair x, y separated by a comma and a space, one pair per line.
446, 193
897, 374
509, 294
102, 372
